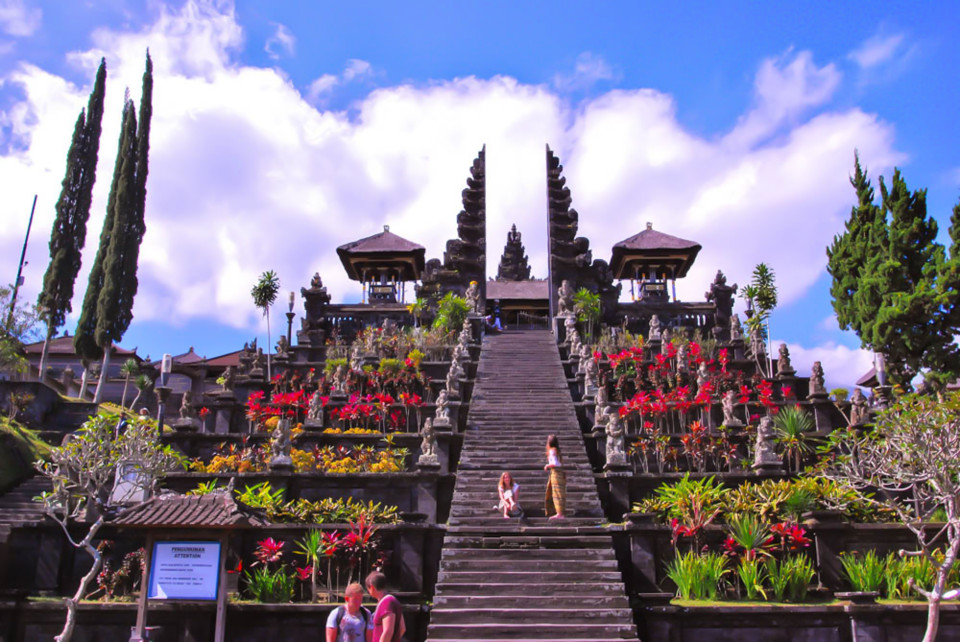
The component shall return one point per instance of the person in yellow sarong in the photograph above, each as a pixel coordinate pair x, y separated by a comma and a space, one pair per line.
555, 502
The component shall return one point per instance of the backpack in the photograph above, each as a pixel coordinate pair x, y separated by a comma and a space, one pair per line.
342, 610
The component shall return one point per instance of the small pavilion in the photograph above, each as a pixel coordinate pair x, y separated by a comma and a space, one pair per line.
653, 261
383, 263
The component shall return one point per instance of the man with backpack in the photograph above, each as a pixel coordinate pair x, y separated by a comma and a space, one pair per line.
388, 625
350, 622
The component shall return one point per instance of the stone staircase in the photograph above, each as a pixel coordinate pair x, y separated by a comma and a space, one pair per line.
529, 578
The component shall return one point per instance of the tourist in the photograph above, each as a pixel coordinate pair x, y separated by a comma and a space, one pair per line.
388, 623
556, 499
509, 496
350, 622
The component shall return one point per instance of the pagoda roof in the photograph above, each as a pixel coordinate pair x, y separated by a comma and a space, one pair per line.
532, 289
653, 248
383, 250
218, 509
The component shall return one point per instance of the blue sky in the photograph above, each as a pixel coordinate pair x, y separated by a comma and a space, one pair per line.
282, 131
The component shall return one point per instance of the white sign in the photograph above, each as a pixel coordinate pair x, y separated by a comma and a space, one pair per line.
184, 571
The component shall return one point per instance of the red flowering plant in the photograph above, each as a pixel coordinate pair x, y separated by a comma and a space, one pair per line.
382, 403
696, 444
203, 413
410, 401
792, 537
256, 410
269, 551
359, 546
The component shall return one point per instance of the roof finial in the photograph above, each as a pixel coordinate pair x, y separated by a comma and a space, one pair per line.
386, 228
649, 225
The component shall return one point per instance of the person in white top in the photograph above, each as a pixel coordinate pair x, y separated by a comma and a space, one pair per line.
556, 496
509, 492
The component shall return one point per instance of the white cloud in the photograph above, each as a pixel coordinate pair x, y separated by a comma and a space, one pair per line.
784, 89
354, 70
18, 20
842, 366
282, 42
589, 69
247, 174
876, 50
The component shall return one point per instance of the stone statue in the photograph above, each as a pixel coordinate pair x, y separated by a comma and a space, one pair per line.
757, 346
442, 414
280, 446
736, 330
356, 356
817, 387
473, 298
316, 282
428, 445
858, 408
654, 331
315, 410
283, 347
187, 411
665, 339
339, 385
570, 333
682, 358
246, 357
256, 368
729, 402
565, 300
765, 456
591, 373
784, 369
615, 434
453, 380
601, 407
721, 295
703, 375
229, 379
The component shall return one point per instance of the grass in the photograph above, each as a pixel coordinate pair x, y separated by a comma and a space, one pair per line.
752, 603
18, 450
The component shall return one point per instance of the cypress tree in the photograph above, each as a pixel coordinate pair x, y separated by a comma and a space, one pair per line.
73, 210
108, 303
894, 285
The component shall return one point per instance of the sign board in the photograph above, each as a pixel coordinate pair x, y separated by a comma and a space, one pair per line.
184, 571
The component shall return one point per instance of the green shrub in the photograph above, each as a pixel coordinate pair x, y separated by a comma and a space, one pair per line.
698, 576
790, 577
864, 572
264, 585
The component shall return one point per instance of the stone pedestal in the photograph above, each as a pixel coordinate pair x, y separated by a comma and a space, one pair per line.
426, 492
768, 468
189, 424
618, 482
313, 424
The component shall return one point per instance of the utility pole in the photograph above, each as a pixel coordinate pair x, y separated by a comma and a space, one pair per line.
23, 254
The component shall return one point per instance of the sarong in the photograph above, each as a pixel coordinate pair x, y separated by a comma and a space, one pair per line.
556, 496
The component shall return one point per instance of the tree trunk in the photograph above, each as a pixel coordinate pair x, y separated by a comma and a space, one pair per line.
101, 384
41, 375
269, 343
933, 620
123, 399
84, 378
71, 602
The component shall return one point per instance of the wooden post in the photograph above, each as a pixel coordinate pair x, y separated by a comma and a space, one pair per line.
144, 590
221, 625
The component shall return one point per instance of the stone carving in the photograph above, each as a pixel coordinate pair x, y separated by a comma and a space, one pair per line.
315, 410
569, 330
283, 348
858, 408
465, 257
601, 407
473, 299
187, 411
247, 356
256, 366
666, 338
683, 363
442, 414
736, 330
339, 385
565, 300
758, 347
591, 373
784, 369
654, 330
513, 264
817, 387
453, 381
703, 375
356, 357
229, 379
280, 446
729, 403
764, 455
722, 295
428, 445
615, 434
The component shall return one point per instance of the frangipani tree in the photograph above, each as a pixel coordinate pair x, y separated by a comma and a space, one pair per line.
910, 459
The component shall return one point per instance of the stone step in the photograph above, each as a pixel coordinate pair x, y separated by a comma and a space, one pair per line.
572, 519
531, 631
598, 540
522, 577
616, 600
529, 613
530, 553
495, 566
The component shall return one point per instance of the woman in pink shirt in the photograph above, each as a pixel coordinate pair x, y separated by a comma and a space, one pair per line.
388, 623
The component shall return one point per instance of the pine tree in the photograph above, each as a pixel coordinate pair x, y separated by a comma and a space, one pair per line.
73, 209
894, 285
